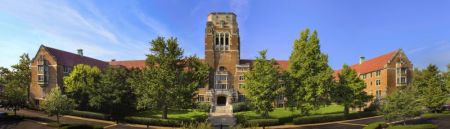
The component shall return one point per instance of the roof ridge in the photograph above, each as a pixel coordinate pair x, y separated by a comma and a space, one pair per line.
73, 53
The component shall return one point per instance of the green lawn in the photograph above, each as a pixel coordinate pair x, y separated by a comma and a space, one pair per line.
173, 114
445, 113
282, 112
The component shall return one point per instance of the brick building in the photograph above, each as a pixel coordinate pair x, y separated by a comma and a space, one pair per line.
222, 52
383, 74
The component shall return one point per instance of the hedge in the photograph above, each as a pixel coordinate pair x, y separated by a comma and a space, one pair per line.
331, 117
87, 114
420, 126
375, 125
203, 106
79, 126
240, 106
154, 121
263, 122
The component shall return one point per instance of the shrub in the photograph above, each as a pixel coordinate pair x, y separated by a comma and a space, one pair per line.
203, 125
79, 126
203, 106
331, 117
420, 126
154, 121
263, 122
87, 114
240, 106
375, 125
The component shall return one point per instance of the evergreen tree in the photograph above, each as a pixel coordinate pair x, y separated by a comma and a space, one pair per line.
401, 105
262, 84
57, 104
349, 90
169, 79
80, 84
431, 87
114, 96
311, 77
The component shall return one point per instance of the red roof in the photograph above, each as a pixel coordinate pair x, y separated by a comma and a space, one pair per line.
129, 63
71, 59
141, 63
284, 64
371, 65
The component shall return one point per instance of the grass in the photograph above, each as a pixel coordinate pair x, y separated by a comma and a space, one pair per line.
283, 113
373, 125
428, 115
419, 126
173, 114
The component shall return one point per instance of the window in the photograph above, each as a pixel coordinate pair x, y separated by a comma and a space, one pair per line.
66, 69
241, 78
201, 98
378, 94
378, 73
404, 70
378, 82
370, 74
41, 78
403, 80
363, 76
370, 82
41, 69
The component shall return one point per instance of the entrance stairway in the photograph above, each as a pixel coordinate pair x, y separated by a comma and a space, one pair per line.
222, 115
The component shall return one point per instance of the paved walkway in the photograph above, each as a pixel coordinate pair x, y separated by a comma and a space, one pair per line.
346, 124
44, 119
222, 115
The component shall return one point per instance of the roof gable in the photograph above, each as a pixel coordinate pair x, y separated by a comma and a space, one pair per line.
71, 59
373, 64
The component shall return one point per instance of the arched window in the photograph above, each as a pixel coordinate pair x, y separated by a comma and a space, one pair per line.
221, 68
217, 39
221, 39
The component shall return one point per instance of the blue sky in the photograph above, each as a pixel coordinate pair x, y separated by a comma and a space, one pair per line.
117, 29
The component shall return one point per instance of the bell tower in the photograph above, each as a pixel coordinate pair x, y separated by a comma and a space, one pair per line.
222, 53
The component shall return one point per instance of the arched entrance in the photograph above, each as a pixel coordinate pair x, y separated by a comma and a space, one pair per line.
221, 100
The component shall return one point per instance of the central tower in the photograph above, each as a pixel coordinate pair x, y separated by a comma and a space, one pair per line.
222, 51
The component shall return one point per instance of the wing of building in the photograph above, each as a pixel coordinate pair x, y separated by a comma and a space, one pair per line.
222, 52
383, 74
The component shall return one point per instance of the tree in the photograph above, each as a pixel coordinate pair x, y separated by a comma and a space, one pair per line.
57, 104
447, 75
80, 84
169, 79
401, 105
349, 90
14, 97
22, 73
431, 88
262, 84
17, 84
114, 96
311, 77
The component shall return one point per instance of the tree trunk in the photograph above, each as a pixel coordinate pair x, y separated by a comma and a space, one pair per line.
57, 118
15, 112
164, 113
346, 110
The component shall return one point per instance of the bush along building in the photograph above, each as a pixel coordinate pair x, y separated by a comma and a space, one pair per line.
382, 74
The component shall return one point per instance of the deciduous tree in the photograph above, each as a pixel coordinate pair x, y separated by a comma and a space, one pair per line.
169, 79
311, 77
80, 84
401, 105
57, 104
431, 87
114, 95
349, 90
262, 84
22, 73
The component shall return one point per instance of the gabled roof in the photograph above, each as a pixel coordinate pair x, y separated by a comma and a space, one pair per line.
72, 59
373, 64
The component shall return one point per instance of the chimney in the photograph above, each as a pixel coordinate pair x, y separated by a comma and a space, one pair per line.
362, 59
80, 52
